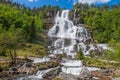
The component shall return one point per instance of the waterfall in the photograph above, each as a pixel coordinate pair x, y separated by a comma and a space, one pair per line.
67, 37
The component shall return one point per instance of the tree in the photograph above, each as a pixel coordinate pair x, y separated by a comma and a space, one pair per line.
11, 41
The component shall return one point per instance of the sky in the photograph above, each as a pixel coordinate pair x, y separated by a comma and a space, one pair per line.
68, 4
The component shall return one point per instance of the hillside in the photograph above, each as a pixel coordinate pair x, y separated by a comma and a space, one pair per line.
50, 38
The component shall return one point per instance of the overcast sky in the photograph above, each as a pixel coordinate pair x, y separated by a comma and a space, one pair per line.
64, 3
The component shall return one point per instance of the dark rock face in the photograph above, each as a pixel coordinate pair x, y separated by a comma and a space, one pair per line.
50, 14
76, 17
1, 69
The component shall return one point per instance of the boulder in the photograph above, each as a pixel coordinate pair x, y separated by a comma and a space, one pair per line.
12, 71
27, 68
52, 73
65, 76
85, 74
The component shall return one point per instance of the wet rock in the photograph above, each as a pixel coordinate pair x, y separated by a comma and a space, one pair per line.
65, 76
96, 78
12, 71
52, 73
85, 74
106, 70
28, 69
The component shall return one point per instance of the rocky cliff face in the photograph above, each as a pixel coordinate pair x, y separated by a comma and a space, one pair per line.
49, 19
76, 17
73, 16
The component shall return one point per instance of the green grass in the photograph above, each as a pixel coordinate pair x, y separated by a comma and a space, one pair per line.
100, 63
26, 53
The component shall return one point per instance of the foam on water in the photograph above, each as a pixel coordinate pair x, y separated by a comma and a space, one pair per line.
76, 70
40, 60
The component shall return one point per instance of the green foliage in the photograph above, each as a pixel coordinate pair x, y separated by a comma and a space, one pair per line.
104, 21
20, 19
80, 55
10, 41
58, 78
17, 25
115, 54
88, 61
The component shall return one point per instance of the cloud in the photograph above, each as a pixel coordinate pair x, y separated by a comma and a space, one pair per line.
32, 0
92, 1
79, 1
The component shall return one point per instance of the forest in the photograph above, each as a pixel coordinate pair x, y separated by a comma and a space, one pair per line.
20, 25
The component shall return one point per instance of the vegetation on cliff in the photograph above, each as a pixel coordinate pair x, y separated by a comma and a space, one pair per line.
104, 24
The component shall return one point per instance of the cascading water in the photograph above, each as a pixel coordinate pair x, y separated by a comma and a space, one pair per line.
69, 38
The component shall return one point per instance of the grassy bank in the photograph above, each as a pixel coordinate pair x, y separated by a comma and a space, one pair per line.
88, 61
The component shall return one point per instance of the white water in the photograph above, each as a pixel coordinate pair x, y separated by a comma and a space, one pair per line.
40, 60
39, 74
74, 67
76, 70
69, 38
71, 63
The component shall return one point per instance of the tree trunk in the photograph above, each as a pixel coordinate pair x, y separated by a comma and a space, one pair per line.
15, 55
11, 55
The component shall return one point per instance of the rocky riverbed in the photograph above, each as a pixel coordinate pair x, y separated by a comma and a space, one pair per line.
50, 68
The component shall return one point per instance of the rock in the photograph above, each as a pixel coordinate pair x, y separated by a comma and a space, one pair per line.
13, 71
65, 76
96, 78
116, 72
52, 73
116, 78
85, 74
100, 75
27, 70
1, 69
46, 65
